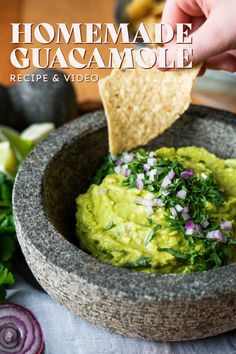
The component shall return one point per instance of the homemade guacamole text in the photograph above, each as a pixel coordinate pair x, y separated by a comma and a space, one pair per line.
165, 211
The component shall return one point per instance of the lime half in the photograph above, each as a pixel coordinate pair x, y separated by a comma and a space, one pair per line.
20, 148
8, 160
36, 132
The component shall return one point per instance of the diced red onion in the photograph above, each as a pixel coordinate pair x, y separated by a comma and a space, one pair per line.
117, 169
151, 174
185, 213
127, 172
165, 192
186, 209
146, 167
216, 235
128, 157
157, 202
193, 227
189, 232
205, 224
166, 182
171, 174
181, 194
198, 229
149, 210
139, 183
151, 161
119, 162
20, 332
189, 225
179, 208
187, 174
145, 202
204, 176
124, 167
185, 216
173, 212
226, 225
140, 176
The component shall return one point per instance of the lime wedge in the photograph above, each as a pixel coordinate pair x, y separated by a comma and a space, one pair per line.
36, 132
20, 148
8, 161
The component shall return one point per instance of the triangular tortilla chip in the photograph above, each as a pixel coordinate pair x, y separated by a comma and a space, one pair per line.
140, 104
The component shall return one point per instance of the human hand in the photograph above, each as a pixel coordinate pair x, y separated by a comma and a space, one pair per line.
213, 30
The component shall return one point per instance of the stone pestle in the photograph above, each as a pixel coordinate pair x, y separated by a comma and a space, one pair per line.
38, 101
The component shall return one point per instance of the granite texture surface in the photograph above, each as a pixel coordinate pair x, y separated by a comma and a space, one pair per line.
147, 306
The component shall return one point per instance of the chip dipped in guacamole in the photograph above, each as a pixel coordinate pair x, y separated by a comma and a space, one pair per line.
164, 211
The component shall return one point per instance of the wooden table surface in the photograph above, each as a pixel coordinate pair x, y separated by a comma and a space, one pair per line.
54, 11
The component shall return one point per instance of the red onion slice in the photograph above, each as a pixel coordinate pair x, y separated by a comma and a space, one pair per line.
20, 332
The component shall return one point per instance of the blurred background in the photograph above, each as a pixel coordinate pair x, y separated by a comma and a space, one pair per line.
217, 89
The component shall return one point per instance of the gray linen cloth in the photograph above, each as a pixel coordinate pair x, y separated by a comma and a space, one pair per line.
65, 333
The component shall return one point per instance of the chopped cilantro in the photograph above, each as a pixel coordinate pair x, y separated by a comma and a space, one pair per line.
151, 234
109, 225
7, 233
200, 253
106, 169
139, 263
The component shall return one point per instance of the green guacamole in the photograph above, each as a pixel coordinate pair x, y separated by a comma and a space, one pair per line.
165, 211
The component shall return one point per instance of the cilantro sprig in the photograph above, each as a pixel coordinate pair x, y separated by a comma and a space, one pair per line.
8, 240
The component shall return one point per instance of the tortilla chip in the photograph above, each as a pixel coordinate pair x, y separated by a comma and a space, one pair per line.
140, 104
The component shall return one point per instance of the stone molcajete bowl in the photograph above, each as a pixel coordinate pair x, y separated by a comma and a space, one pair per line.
149, 306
